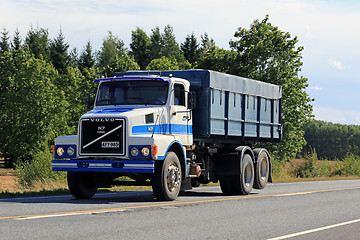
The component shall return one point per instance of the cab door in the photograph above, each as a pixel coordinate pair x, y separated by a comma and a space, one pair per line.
180, 115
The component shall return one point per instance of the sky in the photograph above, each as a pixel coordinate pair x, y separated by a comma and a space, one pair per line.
329, 31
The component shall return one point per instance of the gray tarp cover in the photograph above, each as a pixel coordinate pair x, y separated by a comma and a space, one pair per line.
242, 85
220, 81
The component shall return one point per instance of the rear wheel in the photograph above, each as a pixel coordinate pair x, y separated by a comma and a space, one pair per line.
244, 181
81, 184
226, 185
166, 182
240, 183
262, 169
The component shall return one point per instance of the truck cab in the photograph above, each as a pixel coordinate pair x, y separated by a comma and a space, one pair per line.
135, 122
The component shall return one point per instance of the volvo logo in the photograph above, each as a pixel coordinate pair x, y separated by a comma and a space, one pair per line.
102, 119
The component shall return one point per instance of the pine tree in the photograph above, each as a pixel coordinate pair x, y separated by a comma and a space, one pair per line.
59, 53
171, 48
156, 45
16, 43
87, 59
111, 48
139, 46
74, 58
37, 40
4, 41
190, 48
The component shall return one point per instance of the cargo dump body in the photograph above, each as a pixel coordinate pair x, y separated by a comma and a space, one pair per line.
230, 109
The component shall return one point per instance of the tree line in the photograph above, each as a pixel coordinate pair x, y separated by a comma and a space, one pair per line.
331, 140
43, 84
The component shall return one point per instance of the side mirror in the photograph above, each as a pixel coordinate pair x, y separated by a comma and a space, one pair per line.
191, 100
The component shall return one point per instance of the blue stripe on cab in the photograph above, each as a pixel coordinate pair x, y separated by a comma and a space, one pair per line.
162, 129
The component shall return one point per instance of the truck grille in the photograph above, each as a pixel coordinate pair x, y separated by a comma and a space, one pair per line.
102, 136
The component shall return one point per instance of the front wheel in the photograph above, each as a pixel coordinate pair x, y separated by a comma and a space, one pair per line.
82, 184
166, 182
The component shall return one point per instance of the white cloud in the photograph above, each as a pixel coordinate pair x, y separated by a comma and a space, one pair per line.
315, 88
337, 115
336, 64
313, 20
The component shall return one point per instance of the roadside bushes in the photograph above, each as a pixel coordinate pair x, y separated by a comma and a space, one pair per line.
312, 167
351, 165
38, 170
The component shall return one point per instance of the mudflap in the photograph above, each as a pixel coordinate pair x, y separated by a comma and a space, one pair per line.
186, 184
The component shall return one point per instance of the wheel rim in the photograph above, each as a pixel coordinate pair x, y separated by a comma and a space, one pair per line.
173, 177
248, 175
263, 170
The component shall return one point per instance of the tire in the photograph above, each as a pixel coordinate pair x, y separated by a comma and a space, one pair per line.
226, 185
243, 182
166, 182
262, 169
82, 185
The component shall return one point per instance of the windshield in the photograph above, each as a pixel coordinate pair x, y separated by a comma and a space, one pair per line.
152, 92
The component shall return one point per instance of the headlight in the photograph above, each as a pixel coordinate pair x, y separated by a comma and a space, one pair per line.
70, 151
60, 151
134, 151
145, 151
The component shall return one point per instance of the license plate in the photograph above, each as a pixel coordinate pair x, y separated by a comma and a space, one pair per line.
110, 144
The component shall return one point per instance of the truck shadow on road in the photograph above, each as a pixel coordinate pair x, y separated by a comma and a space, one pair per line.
114, 197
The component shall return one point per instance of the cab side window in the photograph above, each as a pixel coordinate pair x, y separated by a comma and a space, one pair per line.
179, 95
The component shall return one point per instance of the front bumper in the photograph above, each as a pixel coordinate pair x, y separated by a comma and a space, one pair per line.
84, 165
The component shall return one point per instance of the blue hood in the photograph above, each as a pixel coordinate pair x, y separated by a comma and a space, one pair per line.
109, 111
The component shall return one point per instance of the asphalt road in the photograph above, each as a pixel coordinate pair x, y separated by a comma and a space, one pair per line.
307, 210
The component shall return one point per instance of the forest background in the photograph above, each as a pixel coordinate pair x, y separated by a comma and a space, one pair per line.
44, 86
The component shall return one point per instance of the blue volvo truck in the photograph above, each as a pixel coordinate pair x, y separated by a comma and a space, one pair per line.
173, 130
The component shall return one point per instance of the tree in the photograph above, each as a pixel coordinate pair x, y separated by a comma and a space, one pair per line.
206, 43
74, 58
163, 64
59, 53
267, 54
122, 64
16, 43
212, 57
37, 40
190, 49
4, 41
111, 48
155, 45
87, 59
331, 141
32, 107
139, 46
170, 48
215, 58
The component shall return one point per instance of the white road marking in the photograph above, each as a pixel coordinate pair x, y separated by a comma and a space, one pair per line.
50, 216
314, 230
